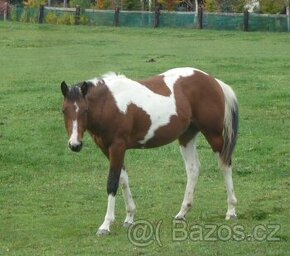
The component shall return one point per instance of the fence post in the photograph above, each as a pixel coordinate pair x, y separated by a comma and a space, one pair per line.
200, 16
116, 17
157, 16
288, 18
77, 15
41, 14
246, 20
5, 11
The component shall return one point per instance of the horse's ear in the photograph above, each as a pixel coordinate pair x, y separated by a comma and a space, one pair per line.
84, 88
64, 88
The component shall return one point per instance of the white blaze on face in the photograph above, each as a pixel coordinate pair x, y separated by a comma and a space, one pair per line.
74, 135
73, 140
77, 107
159, 108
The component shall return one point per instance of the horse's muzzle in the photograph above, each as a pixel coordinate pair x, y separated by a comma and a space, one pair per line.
76, 147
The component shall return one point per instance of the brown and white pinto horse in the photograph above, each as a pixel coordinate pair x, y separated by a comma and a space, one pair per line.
120, 114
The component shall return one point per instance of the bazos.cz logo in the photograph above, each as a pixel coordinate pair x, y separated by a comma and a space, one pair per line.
144, 233
182, 231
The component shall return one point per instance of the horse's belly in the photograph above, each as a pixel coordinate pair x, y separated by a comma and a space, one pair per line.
164, 134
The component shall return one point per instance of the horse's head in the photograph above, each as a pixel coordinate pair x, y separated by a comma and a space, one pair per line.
75, 113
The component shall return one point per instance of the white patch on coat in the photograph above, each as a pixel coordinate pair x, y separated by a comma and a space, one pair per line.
186, 71
73, 140
109, 75
172, 75
94, 81
159, 108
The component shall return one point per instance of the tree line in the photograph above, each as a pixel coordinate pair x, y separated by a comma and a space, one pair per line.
265, 6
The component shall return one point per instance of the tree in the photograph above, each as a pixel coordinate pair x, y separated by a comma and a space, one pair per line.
16, 2
273, 6
231, 5
199, 4
287, 3
82, 3
34, 3
211, 6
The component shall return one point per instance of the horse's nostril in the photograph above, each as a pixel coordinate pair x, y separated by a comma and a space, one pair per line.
76, 147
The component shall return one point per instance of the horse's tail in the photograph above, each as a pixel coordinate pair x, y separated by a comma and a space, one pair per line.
231, 124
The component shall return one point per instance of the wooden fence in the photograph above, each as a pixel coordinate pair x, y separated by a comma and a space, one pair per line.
224, 21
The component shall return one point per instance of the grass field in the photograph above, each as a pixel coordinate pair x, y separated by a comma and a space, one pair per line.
52, 200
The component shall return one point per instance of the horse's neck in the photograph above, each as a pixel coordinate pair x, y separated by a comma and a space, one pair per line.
96, 96
97, 100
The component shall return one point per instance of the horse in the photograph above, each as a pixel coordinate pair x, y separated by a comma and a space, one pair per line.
121, 114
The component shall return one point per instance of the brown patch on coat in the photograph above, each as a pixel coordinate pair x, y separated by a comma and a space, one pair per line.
207, 105
157, 85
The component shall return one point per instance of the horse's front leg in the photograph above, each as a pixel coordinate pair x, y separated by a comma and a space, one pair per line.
129, 202
116, 157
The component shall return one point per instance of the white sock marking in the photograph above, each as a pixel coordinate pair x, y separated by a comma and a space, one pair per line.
110, 215
232, 200
129, 202
192, 164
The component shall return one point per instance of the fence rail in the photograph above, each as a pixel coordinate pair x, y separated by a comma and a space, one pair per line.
158, 18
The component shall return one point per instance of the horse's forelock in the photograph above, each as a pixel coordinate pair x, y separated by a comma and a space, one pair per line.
74, 93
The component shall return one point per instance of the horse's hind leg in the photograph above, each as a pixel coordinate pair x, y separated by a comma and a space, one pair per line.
216, 142
190, 157
129, 202
232, 200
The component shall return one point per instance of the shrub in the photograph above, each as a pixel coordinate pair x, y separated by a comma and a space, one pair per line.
29, 15
14, 14
25, 15
51, 18
84, 20
66, 19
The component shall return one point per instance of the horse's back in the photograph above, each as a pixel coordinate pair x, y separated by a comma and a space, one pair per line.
170, 103
198, 96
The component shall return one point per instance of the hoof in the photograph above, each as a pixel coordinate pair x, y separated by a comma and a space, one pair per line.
231, 217
128, 224
180, 218
103, 232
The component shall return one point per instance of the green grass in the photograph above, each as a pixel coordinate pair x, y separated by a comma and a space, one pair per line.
52, 200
